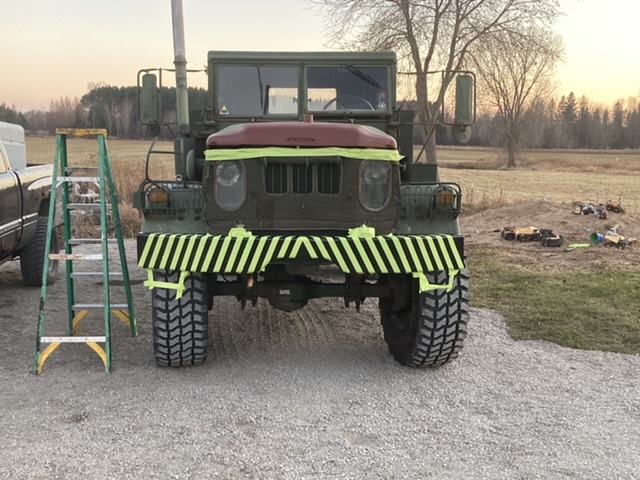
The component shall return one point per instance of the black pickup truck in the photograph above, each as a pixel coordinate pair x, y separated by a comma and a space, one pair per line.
24, 208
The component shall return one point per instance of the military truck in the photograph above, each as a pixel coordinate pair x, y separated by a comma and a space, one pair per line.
296, 181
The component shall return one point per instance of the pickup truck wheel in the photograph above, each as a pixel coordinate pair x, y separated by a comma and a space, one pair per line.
32, 256
180, 326
426, 329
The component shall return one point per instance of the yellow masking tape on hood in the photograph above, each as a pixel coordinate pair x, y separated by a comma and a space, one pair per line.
219, 155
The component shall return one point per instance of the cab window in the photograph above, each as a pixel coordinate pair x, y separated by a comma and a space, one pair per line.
347, 88
256, 90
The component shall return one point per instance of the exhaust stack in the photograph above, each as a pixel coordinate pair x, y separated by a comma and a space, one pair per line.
180, 62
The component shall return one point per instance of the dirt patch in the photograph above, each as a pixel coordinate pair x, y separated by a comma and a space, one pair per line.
483, 228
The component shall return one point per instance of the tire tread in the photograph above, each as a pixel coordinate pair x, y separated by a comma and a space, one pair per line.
436, 325
180, 326
32, 256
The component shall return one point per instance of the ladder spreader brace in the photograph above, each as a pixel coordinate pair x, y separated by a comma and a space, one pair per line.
63, 177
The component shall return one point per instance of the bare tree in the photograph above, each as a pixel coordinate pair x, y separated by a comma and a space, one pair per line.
62, 113
430, 35
516, 73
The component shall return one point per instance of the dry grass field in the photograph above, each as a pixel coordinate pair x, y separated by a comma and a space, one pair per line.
559, 176
556, 294
128, 159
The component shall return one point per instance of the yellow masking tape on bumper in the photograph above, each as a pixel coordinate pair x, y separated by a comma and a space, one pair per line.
426, 286
241, 252
179, 287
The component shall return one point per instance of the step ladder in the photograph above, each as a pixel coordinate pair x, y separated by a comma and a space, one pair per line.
64, 179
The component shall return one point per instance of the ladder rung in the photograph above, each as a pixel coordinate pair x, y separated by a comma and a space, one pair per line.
86, 206
74, 339
165, 152
91, 241
75, 256
99, 306
81, 169
95, 274
72, 179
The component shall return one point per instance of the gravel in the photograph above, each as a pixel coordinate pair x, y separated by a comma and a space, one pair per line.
308, 394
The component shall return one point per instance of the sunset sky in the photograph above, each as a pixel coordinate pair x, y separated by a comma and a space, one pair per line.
51, 49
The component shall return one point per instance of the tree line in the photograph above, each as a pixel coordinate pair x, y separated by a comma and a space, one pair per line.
567, 122
509, 43
104, 106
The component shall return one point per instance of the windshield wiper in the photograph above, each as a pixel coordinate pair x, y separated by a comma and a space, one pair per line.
262, 104
364, 76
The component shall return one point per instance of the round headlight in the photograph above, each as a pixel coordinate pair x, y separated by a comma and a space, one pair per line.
230, 191
227, 173
375, 184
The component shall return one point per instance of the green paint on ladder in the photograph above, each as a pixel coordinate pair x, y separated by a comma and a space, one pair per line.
76, 311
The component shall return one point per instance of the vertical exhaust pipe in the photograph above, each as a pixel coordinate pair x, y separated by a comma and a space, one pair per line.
180, 62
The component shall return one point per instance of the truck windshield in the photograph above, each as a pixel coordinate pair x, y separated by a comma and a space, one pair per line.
259, 90
347, 88
256, 90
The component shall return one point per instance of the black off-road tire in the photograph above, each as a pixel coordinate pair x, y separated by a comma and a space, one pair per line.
180, 326
32, 256
426, 329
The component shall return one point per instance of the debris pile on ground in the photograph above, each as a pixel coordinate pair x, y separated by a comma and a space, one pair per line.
488, 228
532, 234
600, 211
611, 238
522, 234
615, 206
550, 239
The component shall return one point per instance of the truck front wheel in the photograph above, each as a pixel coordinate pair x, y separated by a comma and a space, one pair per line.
32, 256
425, 329
180, 326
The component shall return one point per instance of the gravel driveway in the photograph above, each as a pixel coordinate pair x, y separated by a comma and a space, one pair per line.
309, 394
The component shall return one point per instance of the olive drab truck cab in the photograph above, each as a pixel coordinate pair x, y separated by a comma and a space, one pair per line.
295, 182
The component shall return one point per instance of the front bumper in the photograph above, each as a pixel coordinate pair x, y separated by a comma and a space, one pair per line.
249, 254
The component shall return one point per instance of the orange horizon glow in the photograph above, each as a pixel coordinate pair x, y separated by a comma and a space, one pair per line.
61, 58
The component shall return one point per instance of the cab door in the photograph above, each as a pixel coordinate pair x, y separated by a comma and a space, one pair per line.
10, 208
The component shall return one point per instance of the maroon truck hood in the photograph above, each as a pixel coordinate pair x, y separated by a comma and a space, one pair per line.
300, 134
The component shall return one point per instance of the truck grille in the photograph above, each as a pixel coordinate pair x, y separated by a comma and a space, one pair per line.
324, 178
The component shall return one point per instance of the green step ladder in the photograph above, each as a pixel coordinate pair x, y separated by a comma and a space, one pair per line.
64, 177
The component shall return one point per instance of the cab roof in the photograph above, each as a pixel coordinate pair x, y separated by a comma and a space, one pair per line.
301, 57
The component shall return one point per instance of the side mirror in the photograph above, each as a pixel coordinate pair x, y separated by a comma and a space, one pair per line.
465, 99
461, 133
150, 105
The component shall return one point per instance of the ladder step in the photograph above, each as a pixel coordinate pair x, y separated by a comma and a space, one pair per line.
74, 339
91, 241
87, 206
82, 132
74, 179
99, 306
95, 274
75, 256
69, 170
